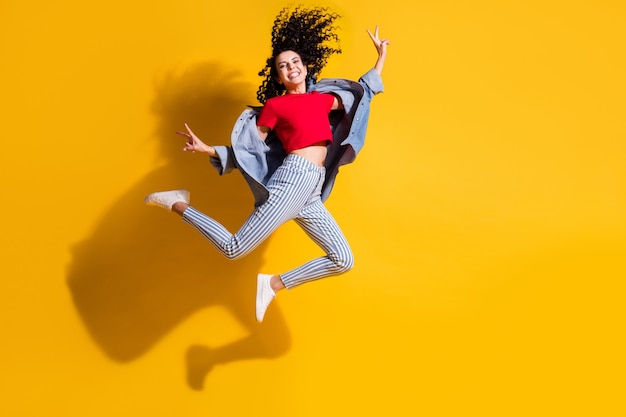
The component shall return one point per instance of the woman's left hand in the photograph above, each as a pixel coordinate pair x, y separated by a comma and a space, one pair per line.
381, 47
380, 44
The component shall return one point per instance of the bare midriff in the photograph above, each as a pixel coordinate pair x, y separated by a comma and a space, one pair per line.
315, 153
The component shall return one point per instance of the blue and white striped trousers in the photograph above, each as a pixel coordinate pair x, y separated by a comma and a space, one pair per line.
295, 190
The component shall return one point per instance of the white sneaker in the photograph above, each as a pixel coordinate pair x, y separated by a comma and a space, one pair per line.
264, 295
167, 199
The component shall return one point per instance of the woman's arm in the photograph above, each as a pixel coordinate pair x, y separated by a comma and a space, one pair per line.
263, 131
337, 103
194, 144
381, 47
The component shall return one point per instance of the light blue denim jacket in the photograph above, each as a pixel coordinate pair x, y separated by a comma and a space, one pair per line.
257, 159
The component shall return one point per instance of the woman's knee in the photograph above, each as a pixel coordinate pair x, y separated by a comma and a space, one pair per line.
344, 262
232, 252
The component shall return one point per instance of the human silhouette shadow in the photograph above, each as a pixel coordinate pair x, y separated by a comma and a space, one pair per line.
144, 271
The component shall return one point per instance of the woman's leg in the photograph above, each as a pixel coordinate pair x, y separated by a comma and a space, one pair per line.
290, 188
322, 228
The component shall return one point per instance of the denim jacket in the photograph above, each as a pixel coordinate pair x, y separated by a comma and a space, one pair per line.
257, 159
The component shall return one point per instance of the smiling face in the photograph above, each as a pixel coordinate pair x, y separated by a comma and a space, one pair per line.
291, 71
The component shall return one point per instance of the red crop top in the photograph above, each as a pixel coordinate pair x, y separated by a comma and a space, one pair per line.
300, 120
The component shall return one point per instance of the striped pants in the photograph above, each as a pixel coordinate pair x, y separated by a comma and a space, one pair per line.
295, 190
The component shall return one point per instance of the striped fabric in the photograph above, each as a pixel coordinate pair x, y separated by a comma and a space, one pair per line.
295, 190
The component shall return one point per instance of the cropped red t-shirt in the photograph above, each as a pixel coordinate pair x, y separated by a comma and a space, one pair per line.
299, 120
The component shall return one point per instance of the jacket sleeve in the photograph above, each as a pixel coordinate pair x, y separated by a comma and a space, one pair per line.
373, 81
224, 162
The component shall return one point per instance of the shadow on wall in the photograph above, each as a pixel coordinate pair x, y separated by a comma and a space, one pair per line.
144, 270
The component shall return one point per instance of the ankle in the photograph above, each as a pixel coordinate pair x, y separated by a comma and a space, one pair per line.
179, 207
276, 283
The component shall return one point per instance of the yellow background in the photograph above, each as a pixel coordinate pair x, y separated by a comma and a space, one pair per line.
487, 213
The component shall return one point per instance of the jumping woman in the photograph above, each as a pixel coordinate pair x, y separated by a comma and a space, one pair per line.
289, 150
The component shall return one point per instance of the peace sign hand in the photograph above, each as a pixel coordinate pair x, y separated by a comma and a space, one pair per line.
381, 47
380, 44
194, 143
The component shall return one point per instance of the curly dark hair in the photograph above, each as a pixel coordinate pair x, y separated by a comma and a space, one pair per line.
308, 32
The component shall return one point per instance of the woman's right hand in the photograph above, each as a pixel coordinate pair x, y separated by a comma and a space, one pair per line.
194, 144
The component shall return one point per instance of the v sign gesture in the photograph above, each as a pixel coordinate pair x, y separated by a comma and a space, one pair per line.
381, 47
